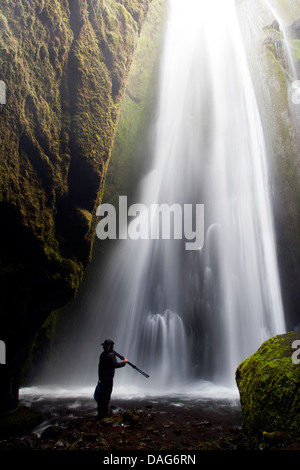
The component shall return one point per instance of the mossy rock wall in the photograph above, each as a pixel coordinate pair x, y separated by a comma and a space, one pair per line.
271, 76
269, 386
130, 159
285, 151
65, 65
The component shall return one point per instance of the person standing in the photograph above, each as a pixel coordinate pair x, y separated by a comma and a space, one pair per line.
106, 371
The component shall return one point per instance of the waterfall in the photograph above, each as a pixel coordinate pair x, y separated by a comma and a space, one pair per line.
184, 315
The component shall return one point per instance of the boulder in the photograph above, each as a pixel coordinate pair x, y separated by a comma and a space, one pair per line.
269, 387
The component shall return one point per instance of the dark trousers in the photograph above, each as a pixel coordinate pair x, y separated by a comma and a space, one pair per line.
105, 389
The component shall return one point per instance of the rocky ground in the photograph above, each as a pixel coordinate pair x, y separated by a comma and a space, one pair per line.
152, 427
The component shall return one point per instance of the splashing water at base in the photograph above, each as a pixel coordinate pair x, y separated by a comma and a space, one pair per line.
209, 148
61, 405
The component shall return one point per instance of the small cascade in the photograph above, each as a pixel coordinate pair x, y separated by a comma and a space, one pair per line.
165, 344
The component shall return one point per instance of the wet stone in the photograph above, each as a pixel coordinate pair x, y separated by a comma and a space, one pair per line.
52, 432
197, 429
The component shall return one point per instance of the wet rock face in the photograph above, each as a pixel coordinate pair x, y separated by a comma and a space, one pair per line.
64, 65
268, 383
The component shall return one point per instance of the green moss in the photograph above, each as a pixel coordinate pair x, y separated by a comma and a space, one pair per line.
269, 385
209, 445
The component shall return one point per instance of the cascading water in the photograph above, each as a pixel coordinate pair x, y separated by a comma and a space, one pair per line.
186, 315
164, 340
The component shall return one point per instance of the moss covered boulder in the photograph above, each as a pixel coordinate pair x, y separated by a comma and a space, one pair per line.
269, 386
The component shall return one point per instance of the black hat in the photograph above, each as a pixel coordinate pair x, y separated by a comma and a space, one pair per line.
108, 344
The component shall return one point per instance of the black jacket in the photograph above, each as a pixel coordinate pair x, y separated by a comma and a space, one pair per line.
107, 365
